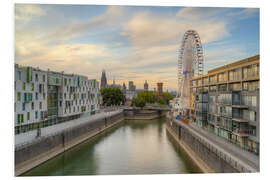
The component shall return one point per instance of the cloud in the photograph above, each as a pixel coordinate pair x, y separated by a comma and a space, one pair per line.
199, 13
76, 29
146, 49
70, 58
145, 29
26, 12
245, 13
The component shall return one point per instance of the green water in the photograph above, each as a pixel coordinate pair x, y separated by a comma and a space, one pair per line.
132, 147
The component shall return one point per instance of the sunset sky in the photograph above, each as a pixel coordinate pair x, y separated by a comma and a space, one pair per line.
130, 42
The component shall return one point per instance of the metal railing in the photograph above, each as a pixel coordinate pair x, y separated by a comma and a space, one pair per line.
237, 164
71, 126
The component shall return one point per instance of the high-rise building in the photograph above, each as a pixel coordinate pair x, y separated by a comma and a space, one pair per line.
226, 101
146, 86
103, 83
45, 98
160, 89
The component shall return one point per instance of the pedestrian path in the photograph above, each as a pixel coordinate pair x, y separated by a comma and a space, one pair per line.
28, 137
239, 155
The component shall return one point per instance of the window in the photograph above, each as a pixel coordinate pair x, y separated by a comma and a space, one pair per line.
23, 106
213, 79
32, 105
253, 130
36, 114
235, 86
20, 118
249, 100
44, 96
36, 96
32, 87
18, 96
36, 76
23, 86
40, 105
43, 77
18, 75
28, 115
60, 103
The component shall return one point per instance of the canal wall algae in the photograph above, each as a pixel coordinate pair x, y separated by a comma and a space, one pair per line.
43, 149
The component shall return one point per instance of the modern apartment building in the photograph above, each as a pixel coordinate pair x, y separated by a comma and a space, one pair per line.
226, 101
44, 98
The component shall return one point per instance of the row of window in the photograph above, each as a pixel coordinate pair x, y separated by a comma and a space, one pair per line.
20, 117
19, 76
68, 81
28, 96
76, 102
83, 109
247, 86
91, 96
235, 74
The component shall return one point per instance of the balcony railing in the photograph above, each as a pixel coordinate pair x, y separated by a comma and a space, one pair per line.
241, 132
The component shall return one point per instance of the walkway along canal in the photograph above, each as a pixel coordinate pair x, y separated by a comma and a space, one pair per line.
131, 147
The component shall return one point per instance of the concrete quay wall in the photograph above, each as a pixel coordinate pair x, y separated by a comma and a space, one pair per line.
141, 114
31, 155
205, 156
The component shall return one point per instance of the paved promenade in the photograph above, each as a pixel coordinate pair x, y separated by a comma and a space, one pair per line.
30, 136
247, 159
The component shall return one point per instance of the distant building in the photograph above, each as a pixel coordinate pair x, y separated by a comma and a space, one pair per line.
124, 88
103, 83
114, 85
131, 94
131, 86
160, 89
146, 86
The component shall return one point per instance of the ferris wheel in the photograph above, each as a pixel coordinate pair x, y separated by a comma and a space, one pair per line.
190, 65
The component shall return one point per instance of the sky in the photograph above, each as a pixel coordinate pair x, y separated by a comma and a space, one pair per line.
132, 43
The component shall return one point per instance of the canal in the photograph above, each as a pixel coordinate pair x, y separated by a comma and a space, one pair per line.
132, 147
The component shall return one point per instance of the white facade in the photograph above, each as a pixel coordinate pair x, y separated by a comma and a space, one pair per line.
131, 94
30, 95
42, 96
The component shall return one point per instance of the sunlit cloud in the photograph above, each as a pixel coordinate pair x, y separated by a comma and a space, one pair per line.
130, 43
26, 12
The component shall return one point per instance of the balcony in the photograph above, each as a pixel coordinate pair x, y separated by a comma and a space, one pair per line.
240, 106
241, 132
239, 120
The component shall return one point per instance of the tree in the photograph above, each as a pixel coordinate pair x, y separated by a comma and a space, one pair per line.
148, 96
112, 96
167, 97
161, 101
138, 102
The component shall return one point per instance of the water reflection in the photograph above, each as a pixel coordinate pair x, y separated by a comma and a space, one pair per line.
133, 147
